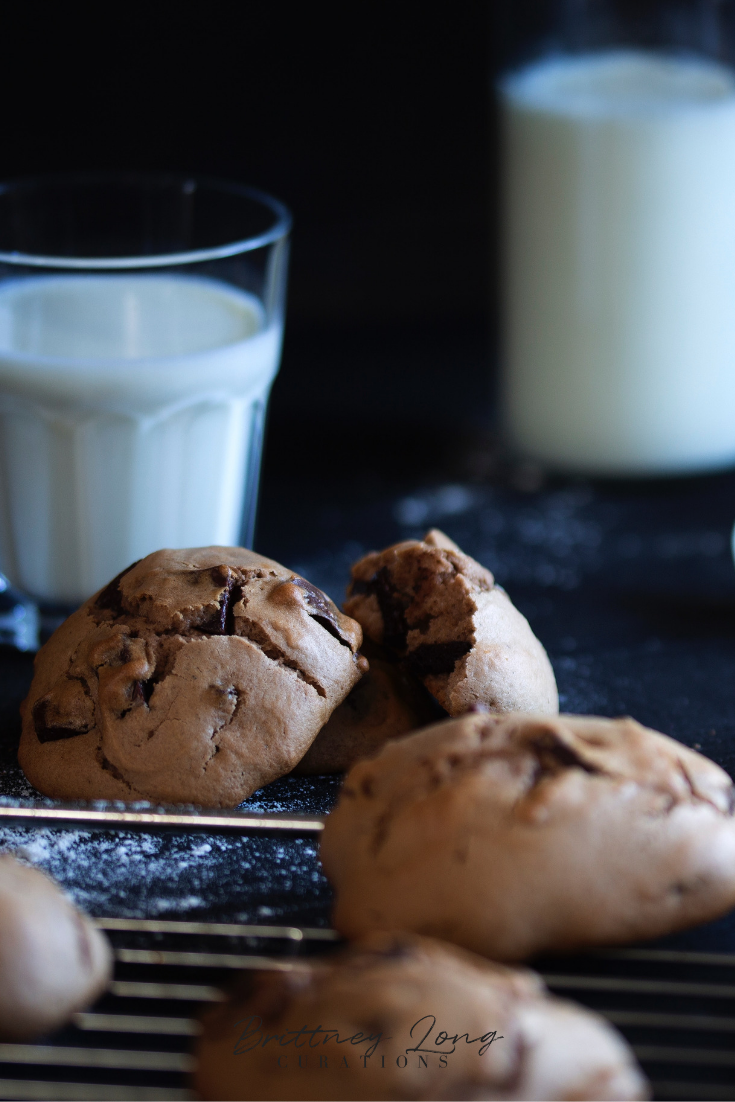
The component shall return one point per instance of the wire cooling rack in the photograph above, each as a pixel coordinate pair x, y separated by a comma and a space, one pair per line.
145, 817
677, 1009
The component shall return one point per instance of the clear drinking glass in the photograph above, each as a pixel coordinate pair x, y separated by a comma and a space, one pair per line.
618, 133
141, 319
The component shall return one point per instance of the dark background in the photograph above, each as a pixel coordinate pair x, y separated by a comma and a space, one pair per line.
374, 125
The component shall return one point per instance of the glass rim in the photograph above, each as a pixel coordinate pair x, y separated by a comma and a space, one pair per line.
280, 228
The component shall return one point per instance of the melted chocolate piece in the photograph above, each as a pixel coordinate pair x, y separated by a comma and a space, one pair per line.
110, 597
314, 597
233, 596
436, 658
49, 732
222, 622
143, 691
392, 607
554, 756
322, 609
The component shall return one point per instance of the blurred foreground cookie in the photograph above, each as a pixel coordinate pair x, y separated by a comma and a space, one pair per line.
398, 1016
53, 961
385, 704
516, 834
195, 676
455, 629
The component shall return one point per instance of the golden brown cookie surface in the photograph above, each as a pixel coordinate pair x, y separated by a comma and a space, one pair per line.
454, 628
53, 961
195, 676
517, 834
403, 1017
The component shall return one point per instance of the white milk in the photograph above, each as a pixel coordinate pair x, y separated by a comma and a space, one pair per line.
128, 408
620, 262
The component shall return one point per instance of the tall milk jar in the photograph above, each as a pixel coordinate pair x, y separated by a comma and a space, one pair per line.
133, 387
619, 259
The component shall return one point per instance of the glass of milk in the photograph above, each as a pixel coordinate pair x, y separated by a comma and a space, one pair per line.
141, 319
618, 222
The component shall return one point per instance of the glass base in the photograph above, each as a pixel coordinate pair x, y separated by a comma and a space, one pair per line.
20, 620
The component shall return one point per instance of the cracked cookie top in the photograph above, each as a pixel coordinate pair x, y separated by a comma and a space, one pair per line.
453, 627
194, 676
517, 834
400, 1016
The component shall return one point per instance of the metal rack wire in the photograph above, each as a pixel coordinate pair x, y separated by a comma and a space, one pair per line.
677, 1009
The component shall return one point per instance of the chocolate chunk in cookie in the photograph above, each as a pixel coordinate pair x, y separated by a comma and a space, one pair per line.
195, 676
516, 834
453, 627
53, 961
399, 1016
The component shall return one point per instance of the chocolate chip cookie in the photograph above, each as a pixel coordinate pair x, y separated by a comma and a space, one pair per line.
517, 834
398, 1016
386, 703
196, 676
453, 627
53, 961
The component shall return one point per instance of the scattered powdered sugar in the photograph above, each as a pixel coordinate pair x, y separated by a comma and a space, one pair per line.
433, 506
218, 877
551, 540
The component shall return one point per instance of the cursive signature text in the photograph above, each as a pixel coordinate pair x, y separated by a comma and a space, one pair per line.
253, 1036
443, 1040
